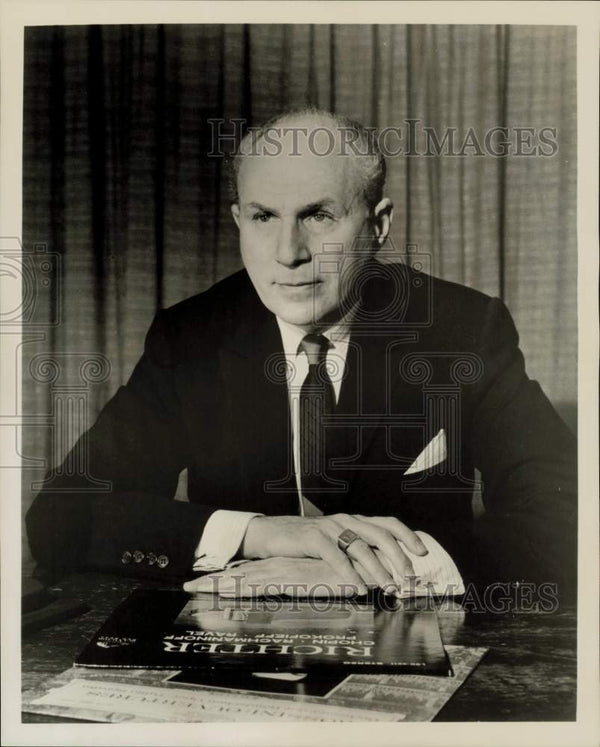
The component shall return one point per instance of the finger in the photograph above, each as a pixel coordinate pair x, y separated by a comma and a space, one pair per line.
208, 583
359, 550
323, 589
260, 578
385, 541
240, 587
300, 577
242, 591
372, 570
322, 546
383, 560
364, 574
408, 583
400, 531
262, 582
321, 581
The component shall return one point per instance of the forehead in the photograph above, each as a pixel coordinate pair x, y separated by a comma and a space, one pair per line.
297, 175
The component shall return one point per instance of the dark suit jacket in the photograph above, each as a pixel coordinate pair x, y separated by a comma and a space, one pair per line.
209, 395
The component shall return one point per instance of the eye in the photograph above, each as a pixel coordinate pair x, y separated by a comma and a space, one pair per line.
320, 217
262, 217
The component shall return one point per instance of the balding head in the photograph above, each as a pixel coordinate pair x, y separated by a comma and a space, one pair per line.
319, 134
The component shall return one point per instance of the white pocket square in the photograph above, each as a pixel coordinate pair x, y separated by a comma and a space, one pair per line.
432, 454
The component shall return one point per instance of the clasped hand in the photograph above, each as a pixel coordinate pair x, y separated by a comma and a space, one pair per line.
375, 559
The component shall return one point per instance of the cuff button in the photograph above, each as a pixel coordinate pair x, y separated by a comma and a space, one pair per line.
126, 558
138, 556
162, 561
151, 558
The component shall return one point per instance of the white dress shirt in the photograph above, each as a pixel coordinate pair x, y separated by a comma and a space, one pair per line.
225, 530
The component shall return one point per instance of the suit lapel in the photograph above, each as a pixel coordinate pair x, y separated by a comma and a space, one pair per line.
373, 399
253, 368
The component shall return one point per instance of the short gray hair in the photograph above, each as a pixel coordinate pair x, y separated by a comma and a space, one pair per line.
363, 145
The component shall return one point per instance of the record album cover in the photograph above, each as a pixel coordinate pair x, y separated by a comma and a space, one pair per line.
158, 629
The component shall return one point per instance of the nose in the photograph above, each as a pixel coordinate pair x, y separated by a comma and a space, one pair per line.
292, 249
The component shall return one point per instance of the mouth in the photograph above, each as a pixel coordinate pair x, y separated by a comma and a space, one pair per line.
298, 285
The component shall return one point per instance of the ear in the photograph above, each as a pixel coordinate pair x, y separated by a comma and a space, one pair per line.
382, 219
235, 211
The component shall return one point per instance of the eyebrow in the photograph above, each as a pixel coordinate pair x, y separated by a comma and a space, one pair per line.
325, 202
257, 206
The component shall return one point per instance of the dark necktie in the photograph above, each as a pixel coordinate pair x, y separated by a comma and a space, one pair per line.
317, 399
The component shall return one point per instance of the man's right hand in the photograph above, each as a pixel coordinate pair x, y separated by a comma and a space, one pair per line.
377, 556
296, 577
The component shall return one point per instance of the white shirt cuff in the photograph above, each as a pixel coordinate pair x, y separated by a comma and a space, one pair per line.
437, 571
221, 539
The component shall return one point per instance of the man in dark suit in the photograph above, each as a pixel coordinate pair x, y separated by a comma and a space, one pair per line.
330, 410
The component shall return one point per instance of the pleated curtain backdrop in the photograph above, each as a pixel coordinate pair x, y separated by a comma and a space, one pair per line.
118, 181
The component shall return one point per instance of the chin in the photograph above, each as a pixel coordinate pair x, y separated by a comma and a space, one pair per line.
299, 317
306, 313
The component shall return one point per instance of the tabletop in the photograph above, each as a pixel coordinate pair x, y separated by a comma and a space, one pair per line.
528, 674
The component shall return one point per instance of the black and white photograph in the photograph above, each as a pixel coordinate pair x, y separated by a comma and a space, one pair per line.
300, 330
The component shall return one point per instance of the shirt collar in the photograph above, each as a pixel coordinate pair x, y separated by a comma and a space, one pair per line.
338, 334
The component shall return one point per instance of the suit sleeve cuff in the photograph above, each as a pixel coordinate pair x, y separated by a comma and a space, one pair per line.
437, 571
221, 539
